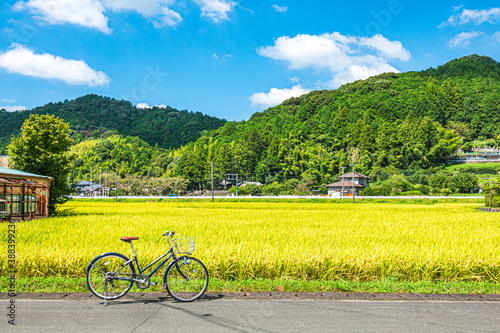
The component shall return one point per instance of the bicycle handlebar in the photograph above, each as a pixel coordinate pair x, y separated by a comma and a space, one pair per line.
169, 233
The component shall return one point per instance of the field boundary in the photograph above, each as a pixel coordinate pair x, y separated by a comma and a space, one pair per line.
327, 296
490, 210
250, 197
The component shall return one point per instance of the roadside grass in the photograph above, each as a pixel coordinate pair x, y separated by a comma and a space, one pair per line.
389, 285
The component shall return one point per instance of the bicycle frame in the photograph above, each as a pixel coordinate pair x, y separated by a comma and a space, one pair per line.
170, 254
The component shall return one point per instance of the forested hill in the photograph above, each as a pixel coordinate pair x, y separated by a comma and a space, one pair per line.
413, 120
92, 114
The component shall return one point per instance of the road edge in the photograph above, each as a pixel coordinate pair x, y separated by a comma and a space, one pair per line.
327, 296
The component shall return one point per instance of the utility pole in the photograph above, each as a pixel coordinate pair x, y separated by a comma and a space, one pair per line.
116, 185
236, 184
107, 181
90, 183
342, 193
212, 178
100, 188
353, 193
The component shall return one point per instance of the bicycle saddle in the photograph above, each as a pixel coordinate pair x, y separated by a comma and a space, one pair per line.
128, 239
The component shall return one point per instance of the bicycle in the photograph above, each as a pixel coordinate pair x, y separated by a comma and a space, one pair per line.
111, 275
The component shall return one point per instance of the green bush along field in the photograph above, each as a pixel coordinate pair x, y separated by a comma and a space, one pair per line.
247, 240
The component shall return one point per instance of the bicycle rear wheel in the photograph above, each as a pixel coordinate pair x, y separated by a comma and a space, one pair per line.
105, 279
188, 282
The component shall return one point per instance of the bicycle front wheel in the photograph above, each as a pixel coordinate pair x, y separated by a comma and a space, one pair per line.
188, 280
108, 278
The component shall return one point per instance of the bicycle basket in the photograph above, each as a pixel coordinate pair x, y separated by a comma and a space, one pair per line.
184, 245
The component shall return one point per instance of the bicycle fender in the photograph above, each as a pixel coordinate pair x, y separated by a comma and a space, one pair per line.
171, 264
105, 254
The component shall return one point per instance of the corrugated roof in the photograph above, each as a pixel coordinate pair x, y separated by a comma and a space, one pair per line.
12, 172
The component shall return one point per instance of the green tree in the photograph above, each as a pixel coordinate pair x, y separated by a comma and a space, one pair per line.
42, 148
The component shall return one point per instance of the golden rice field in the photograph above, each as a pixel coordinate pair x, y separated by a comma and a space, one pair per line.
444, 241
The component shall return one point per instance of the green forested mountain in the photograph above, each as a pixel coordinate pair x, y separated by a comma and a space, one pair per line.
413, 120
93, 115
391, 123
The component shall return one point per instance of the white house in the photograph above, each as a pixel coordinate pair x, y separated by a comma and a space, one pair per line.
345, 183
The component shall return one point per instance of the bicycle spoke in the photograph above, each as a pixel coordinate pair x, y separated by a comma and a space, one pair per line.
189, 285
102, 280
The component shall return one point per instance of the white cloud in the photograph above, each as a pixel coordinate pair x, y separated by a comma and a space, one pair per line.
475, 16
463, 39
215, 56
348, 58
12, 108
216, 9
294, 79
390, 49
23, 61
146, 106
497, 36
87, 13
280, 9
275, 96
144, 7
8, 100
90, 13
168, 18
143, 106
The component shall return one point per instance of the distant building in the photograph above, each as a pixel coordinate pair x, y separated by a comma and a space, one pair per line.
4, 161
87, 188
345, 183
23, 195
250, 183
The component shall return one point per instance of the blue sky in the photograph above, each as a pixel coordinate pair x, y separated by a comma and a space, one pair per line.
225, 58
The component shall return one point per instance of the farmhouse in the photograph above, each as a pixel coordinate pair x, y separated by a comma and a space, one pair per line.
345, 184
87, 188
23, 195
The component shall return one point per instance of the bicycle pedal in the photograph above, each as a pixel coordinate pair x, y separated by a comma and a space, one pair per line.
154, 283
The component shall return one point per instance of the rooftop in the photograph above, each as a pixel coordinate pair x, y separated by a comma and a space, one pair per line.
12, 172
346, 183
356, 175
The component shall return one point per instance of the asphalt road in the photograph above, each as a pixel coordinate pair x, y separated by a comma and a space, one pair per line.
253, 316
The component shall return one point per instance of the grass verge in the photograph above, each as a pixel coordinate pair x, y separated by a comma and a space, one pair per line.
62, 284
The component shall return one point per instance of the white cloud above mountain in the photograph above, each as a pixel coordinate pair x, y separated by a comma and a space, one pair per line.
21, 60
347, 58
147, 106
12, 108
463, 39
275, 96
497, 36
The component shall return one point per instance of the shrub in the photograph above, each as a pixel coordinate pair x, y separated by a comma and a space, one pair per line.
492, 196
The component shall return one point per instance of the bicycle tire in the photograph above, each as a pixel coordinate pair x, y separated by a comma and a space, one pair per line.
190, 289
100, 267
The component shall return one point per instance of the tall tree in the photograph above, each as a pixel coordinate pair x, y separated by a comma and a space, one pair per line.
42, 148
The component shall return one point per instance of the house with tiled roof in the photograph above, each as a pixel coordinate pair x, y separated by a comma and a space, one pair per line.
346, 184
